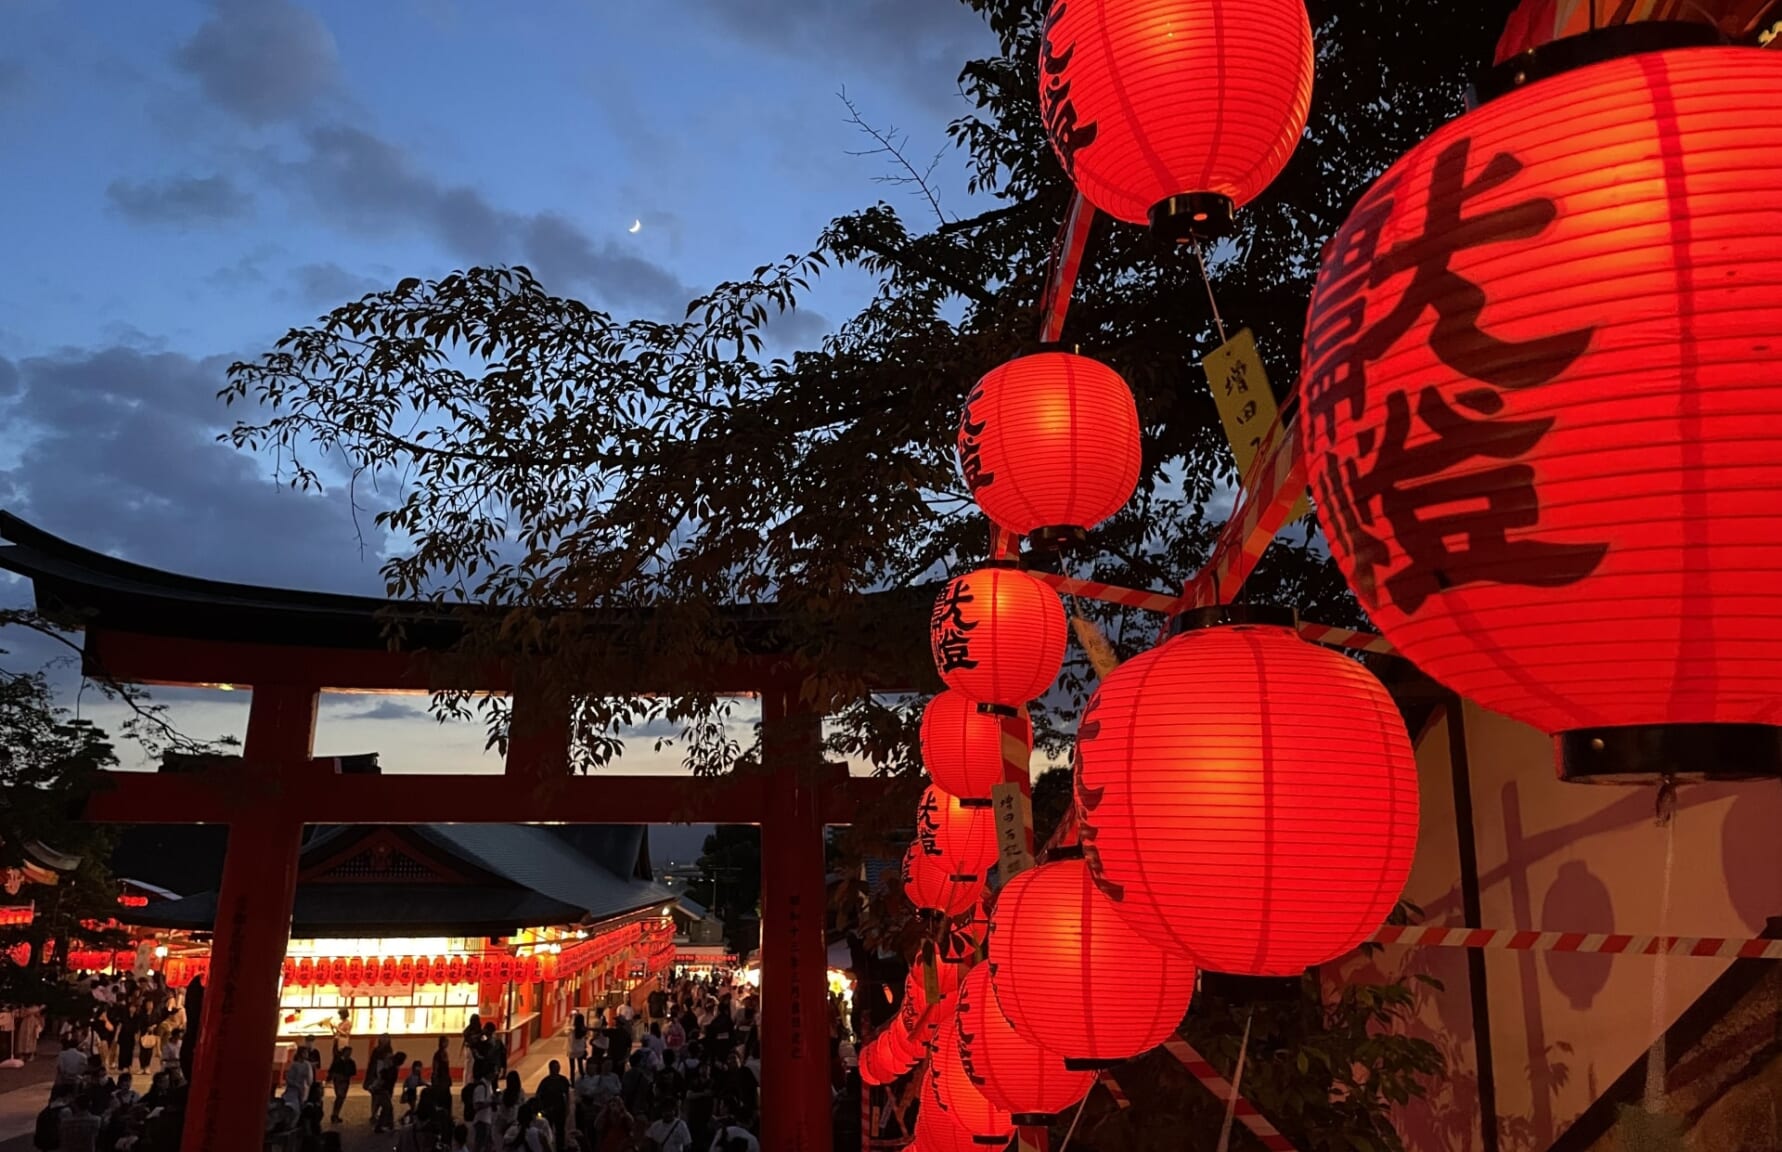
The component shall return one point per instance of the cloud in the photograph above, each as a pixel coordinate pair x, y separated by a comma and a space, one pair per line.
933, 38
262, 60
179, 200
797, 329
366, 183
329, 284
119, 455
389, 708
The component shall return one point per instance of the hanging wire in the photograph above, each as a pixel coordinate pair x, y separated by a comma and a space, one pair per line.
1655, 1057
1218, 321
1072, 1130
1237, 1080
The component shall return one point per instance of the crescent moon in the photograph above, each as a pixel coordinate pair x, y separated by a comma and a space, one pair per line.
636, 226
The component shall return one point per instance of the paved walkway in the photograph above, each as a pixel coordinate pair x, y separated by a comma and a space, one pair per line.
24, 1092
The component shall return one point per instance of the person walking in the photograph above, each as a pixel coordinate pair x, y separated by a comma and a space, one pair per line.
578, 1046
300, 1074
442, 1063
553, 1101
340, 1076
482, 1110
507, 1107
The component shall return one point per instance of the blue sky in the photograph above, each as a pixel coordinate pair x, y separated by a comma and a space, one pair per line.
187, 179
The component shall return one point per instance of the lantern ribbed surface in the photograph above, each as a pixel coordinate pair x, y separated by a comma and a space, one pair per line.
937, 1131
1560, 501
1247, 799
961, 839
1050, 441
997, 635
1014, 1074
955, 1093
962, 746
1072, 976
1148, 99
931, 886
873, 1066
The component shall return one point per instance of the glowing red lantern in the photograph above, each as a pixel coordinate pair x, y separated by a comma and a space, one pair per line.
1175, 111
455, 970
337, 971
1071, 976
962, 744
961, 839
504, 969
998, 635
405, 970
306, 972
1535, 23
937, 1131
473, 970
873, 1069
290, 971
355, 973
1247, 798
931, 887
953, 1092
1019, 1077
1049, 445
531, 963
387, 970
1541, 413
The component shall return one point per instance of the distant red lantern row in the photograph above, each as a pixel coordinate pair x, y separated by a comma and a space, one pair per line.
1540, 408
344, 970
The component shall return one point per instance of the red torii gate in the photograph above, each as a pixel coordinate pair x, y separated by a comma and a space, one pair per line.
145, 626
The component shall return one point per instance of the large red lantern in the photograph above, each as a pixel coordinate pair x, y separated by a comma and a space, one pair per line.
1072, 976
356, 970
337, 971
1049, 445
962, 744
306, 972
1247, 798
1019, 1077
953, 1092
1541, 410
931, 887
998, 635
1535, 23
962, 839
405, 970
875, 1071
387, 970
937, 1131
1175, 111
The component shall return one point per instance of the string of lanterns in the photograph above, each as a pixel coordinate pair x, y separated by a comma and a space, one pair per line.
1547, 485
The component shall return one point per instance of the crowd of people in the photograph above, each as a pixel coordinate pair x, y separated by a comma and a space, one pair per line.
681, 1076
119, 1083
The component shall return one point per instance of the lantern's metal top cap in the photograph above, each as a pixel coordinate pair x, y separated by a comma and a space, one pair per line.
1586, 48
1193, 216
1221, 615
1039, 346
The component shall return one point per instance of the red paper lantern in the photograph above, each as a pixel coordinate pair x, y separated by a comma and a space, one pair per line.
937, 1131
289, 972
405, 970
474, 972
1541, 415
455, 970
873, 1069
531, 963
387, 970
931, 887
1022, 1078
962, 743
952, 1090
337, 971
436, 971
1049, 445
998, 635
961, 839
504, 969
1071, 976
306, 972
1175, 111
1247, 798
356, 970
1538, 22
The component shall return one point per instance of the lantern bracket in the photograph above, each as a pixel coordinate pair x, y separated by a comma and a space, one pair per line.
1586, 48
1057, 538
1224, 615
1193, 216
1683, 753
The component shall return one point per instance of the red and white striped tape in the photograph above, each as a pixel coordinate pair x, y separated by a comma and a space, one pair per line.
1599, 943
1346, 638
1118, 1093
1219, 1086
1067, 261
1164, 602
1271, 488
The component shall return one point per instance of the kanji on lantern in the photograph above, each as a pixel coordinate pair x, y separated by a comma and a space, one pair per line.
1540, 413
998, 636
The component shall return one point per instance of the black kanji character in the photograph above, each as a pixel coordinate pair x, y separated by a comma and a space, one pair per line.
971, 453
1453, 530
1456, 338
1056, 110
